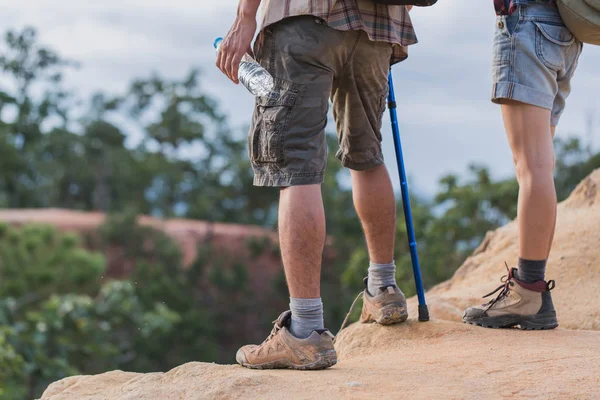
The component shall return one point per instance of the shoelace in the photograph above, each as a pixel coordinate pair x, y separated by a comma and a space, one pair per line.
348, 315
276, 328
361, 294
504, 288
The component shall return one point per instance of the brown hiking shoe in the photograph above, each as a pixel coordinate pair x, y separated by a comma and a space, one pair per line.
386, 307
281, 349
528, 305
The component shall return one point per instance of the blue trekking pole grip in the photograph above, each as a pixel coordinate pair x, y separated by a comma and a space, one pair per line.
412, 242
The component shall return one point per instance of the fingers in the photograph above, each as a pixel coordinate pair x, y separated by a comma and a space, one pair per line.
224, 58
219, 62
234, 66
234, 46
227, 64
236, 60
228, 60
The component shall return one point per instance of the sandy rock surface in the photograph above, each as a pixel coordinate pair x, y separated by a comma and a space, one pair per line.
438, 359
430, 360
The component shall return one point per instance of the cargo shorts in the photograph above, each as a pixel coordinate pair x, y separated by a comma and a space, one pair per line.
535, 57
312, 63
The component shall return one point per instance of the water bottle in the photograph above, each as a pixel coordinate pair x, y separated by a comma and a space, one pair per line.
253, 76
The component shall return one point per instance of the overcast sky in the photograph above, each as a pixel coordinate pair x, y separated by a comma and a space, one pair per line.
443, 89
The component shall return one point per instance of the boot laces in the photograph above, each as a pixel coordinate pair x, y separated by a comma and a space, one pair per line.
507, 282
347, 319
274, 331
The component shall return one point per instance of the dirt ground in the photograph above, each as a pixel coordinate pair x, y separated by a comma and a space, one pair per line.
442, 358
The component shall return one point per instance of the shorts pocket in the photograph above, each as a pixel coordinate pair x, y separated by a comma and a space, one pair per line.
503, 41
270, 125
266, 143
552, 42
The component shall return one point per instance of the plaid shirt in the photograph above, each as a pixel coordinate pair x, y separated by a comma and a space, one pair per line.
382, 23
507, 7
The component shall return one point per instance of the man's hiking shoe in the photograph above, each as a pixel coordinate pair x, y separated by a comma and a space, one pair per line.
281, 349
386, 307
527, 305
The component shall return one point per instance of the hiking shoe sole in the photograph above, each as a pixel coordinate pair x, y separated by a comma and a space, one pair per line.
324, 360
527, 323
392, 314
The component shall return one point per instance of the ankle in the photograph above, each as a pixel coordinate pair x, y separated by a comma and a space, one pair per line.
307, 316
531, 271
381, 275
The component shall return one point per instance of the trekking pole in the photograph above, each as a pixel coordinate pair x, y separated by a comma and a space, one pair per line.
412, 242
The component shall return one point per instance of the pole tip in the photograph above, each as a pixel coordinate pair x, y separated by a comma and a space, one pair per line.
423, 313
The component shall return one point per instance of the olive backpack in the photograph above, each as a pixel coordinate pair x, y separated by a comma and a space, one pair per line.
582, 17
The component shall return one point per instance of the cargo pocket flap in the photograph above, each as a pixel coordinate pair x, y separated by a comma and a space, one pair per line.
559, 35
284, 93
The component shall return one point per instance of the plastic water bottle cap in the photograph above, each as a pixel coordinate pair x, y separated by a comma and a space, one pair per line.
217, 42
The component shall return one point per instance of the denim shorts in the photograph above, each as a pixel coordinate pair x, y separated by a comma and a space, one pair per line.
535, 56
312, 63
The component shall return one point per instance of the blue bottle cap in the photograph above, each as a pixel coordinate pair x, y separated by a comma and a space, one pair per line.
217, 42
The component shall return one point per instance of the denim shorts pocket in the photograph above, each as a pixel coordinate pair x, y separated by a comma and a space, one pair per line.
552, 42
502, 42
266, 138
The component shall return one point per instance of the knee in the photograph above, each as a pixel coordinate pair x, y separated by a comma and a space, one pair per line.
534, 169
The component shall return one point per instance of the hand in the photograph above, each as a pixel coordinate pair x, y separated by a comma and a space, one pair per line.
235, 45
408, 8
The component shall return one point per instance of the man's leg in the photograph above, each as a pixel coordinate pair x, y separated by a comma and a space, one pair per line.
374, 200
302, 237
288, 150
530, 138
358, 97
375, 205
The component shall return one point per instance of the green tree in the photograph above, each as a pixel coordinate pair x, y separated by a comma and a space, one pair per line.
58, 319
28, 68
12, 372
38, 262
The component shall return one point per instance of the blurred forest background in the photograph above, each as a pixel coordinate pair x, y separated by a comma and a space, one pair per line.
62, 312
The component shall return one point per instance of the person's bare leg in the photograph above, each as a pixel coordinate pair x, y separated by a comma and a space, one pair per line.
302, 237
373, 195
375, 205
530, 138
528, 300
553, 132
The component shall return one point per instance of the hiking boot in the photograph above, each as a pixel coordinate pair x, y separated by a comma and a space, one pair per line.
386, 307
528, 305
281, 349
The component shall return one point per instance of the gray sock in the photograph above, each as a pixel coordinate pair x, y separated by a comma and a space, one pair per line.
531, 271
381, 275
307, 316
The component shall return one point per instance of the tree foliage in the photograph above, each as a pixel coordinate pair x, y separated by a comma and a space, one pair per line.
58, 317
